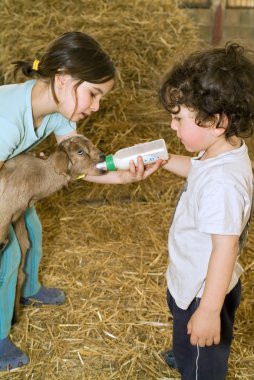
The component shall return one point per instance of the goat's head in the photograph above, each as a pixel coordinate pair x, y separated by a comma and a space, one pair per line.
76, 156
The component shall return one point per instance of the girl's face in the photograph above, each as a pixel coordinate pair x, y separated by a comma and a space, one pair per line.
193, 137
78, 103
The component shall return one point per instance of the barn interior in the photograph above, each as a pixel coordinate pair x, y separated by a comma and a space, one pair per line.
106, 245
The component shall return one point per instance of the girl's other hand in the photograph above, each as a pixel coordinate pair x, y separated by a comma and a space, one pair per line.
39, 155
42, 155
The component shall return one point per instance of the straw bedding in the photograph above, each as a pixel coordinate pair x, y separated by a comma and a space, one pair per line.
106, 246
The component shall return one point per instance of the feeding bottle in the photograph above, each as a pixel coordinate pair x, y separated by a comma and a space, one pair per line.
149, 151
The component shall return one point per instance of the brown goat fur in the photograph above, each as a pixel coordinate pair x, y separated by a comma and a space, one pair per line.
26, 179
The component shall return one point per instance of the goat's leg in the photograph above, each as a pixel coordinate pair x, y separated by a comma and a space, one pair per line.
6, 219
22, 236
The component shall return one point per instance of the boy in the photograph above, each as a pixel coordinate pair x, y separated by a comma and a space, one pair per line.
211, 98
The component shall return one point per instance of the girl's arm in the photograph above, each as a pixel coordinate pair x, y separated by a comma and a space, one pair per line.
179, 165
204, 325
135, 174
176, 164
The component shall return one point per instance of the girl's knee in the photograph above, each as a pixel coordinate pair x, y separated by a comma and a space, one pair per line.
10, 257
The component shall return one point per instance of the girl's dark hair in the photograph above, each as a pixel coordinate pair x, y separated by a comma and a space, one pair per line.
215, 81
73, 53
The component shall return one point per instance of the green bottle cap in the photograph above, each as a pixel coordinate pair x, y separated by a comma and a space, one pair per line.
110, 163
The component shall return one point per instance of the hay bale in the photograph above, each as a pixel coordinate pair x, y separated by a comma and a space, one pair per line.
143, 37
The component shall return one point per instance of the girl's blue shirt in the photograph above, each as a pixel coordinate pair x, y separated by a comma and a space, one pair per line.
17, 132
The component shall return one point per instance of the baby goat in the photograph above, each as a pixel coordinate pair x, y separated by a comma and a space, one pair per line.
26, 179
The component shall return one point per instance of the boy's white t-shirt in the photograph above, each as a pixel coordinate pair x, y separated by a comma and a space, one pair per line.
217, 200
17, 132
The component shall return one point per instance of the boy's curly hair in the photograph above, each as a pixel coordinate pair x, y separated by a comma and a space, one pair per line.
214, 81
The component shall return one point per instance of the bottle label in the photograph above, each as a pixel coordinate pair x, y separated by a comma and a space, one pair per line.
150, 159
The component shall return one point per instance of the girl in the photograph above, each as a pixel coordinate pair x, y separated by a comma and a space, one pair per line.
73, 75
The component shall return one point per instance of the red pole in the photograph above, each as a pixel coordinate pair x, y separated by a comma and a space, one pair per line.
218, 22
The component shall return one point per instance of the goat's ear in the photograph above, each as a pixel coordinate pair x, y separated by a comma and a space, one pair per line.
61, 163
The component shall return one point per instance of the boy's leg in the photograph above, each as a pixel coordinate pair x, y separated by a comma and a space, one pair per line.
184, 353
203, 363
213, 360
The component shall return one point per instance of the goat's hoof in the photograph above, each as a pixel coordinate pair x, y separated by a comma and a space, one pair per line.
3, 244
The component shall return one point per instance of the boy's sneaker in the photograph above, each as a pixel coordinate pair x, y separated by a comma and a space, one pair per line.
11, 357
45, 296
169, 359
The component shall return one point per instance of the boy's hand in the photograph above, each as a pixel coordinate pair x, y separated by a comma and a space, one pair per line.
204, 327
140, 172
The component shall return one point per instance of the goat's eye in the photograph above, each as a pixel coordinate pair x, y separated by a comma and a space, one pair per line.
81, 152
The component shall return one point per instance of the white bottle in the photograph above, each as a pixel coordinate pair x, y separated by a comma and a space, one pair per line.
149, 151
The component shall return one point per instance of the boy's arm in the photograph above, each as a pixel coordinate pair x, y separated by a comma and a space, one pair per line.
204, 325
179, 165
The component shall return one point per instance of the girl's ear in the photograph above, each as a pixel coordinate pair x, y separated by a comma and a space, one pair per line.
60, 80
219, 128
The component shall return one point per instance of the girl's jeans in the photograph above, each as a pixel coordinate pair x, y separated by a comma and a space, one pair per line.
203, 363
9, 263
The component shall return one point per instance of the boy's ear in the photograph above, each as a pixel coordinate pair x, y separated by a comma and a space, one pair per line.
219, 128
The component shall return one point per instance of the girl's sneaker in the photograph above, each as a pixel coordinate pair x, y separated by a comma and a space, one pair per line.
45, 296
11, 357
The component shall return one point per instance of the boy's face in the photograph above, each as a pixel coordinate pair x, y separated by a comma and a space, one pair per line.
193, 137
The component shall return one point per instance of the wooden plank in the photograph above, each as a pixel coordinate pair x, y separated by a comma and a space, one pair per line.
240, 3
194, 4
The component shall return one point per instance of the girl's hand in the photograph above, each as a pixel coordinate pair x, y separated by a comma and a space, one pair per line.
39, 155
204, 327
140, 172
134, 174
42, 155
